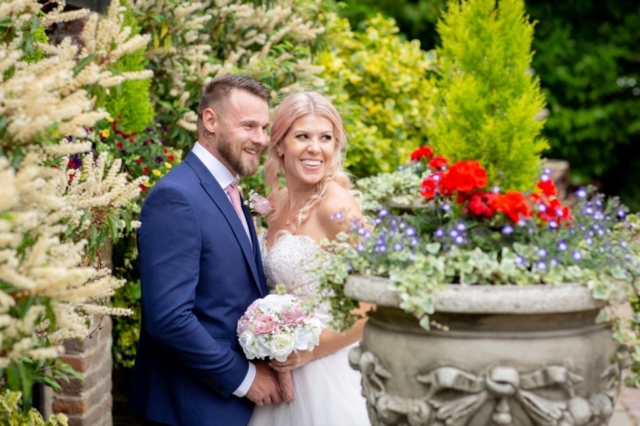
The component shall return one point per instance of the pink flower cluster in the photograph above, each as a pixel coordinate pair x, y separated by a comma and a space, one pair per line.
277, 325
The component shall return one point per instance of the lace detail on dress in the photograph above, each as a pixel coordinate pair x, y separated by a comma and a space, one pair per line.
291, 262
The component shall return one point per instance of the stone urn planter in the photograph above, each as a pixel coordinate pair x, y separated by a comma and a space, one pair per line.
513, 355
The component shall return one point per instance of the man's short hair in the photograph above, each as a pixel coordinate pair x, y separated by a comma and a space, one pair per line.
220, 88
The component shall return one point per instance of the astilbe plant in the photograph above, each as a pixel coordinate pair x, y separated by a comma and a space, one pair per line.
51, 282
195, 41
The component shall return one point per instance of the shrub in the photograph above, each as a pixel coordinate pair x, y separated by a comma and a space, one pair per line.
129, 102
382, 87
487, 99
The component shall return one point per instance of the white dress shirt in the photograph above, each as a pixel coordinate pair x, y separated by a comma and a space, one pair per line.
226, 178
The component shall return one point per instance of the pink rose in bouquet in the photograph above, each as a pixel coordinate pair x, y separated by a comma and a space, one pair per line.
276, 326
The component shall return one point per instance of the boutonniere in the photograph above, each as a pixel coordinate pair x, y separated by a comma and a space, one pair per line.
259, 204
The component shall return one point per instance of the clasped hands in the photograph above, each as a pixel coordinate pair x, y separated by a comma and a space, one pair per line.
265, 389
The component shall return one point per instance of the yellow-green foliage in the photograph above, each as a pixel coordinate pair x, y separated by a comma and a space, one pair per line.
129, 102
487, 98
382, 86
12, 415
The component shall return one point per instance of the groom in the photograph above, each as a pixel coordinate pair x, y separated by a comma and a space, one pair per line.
200, 269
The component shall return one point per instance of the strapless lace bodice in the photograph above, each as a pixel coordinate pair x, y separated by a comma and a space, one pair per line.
291, 261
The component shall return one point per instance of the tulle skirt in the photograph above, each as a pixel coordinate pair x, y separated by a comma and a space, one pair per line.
327, 393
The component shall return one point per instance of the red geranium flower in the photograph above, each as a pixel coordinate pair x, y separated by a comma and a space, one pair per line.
119, 145
465, 176
548, 188
430, 186
513, 204
143, 188
171, 158
139, 160
421, 152
438, 162
482, 204
145, 170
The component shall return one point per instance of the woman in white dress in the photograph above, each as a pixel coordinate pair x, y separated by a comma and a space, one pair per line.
307, 140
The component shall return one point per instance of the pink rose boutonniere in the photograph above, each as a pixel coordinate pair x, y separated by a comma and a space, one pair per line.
259, 204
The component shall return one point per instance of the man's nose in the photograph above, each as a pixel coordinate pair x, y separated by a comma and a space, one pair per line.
260, 136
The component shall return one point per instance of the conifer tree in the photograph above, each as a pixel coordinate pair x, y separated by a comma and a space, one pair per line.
487, 98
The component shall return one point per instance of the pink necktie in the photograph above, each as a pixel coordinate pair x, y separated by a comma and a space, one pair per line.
234, 195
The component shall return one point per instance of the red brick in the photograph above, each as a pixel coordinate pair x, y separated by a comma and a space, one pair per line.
77, 362
69, 405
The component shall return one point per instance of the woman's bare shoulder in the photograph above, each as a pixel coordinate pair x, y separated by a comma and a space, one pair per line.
337, 209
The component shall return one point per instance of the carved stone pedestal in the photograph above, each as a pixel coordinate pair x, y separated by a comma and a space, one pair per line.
513, 355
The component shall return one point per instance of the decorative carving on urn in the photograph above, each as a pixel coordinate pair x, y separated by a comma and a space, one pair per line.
453, 396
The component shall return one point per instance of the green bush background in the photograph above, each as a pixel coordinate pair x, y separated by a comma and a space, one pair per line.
588, 60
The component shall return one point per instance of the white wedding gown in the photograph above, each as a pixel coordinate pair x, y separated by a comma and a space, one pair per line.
327, 390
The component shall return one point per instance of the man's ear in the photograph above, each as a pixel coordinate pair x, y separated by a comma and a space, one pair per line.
210, 120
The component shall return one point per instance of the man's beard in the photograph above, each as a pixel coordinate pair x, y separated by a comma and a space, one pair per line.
234, 158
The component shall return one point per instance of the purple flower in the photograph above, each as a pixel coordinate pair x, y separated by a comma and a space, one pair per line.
439, 233
542, 207
495, 189
446, 207
382, 213
581, 193
165, 128
621, 213
544, 177
507, 230
436, 178
562, 245
453, 233
398, 246
589, 241
577, 255
553, 262
521, 260
458, 240
409, 232
159, 160
360, 248
337, 216
553, 224
461, 226
542, 253
413, 242
521, 223
148, 129
541, 266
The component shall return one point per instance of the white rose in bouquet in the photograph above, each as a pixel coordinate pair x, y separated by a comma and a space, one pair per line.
304, 340
247, 342
274, 303
281, 346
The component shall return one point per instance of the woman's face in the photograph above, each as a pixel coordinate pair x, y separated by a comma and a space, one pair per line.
309, 148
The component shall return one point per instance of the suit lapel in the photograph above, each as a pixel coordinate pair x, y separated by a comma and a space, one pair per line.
219, 197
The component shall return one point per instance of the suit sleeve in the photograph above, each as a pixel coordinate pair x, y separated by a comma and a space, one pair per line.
170, 243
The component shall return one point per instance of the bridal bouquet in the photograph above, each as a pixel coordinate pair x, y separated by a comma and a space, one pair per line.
276, 326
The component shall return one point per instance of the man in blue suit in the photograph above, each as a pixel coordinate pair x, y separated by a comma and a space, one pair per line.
200, 269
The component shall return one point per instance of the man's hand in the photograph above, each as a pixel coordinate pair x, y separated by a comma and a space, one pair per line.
265, 388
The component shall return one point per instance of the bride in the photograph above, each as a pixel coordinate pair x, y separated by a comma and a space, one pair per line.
307, 139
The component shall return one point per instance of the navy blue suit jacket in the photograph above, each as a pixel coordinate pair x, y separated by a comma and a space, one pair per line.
199, 273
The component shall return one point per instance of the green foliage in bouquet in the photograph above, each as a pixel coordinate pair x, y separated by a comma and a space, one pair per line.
130, 101
382, 86
487, 100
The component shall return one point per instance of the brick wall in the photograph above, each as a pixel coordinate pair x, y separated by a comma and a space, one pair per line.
86, 402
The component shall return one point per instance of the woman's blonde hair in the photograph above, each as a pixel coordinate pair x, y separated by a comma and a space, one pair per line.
293, 107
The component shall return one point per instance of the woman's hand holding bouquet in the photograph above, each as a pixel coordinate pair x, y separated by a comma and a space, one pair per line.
275, 327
